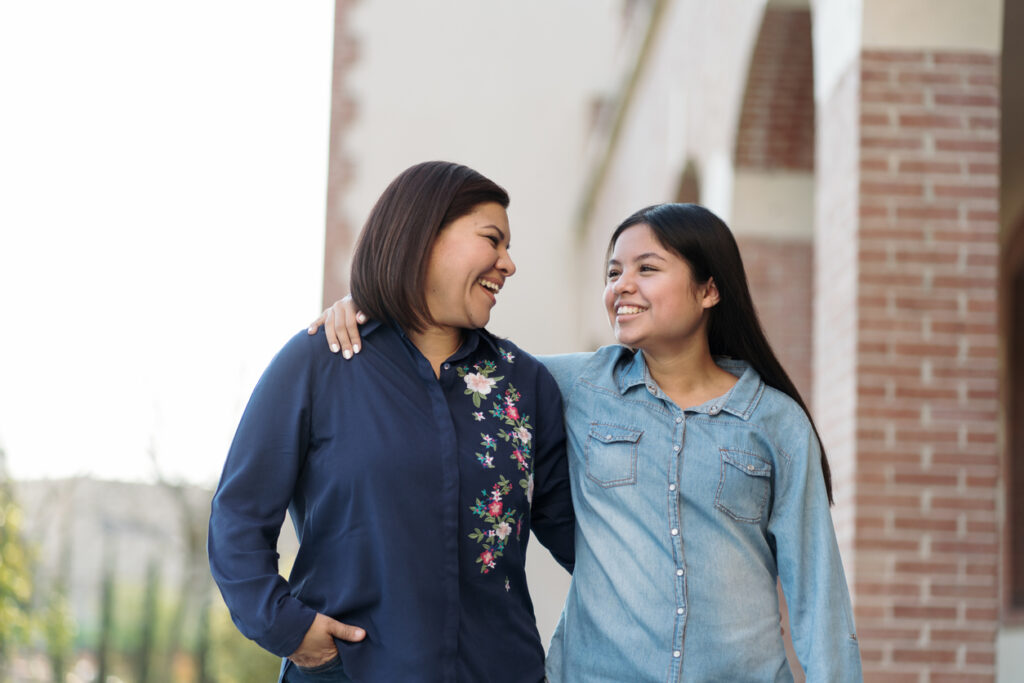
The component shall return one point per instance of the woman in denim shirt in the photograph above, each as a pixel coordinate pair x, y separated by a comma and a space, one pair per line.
698, 480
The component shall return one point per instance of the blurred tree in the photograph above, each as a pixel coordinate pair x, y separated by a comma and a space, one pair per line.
105, 645
15, 575
57, 622
147, 627
233, 658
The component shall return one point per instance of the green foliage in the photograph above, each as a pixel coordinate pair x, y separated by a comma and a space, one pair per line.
15, 575
233, 658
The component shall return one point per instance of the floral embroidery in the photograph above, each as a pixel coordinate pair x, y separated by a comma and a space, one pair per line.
479, 383
491, 509
500, 519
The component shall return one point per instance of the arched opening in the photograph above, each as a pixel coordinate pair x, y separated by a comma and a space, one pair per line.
688, 190
773, 192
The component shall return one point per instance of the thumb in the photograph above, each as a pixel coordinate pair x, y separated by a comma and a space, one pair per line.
352, 634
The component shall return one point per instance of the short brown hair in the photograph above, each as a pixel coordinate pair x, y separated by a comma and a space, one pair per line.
389, 265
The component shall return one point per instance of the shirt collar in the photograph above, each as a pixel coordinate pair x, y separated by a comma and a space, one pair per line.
740, 400
471, 343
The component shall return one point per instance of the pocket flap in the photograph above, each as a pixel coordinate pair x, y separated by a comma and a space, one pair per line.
612, 433
748, 463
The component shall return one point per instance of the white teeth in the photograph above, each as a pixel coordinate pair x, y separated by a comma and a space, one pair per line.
489, 285
628, 310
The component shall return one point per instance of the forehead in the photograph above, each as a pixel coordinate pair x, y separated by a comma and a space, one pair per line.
637, 240
483, 215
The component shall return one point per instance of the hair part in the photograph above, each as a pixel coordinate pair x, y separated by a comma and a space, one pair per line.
705, 242
389, 265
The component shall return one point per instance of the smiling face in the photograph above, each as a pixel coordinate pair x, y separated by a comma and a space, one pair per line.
467, 267
652, 300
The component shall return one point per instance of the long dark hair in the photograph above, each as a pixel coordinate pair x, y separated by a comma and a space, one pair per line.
389, 265
708, 246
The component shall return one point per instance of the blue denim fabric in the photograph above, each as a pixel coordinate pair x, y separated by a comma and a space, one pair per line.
684, 521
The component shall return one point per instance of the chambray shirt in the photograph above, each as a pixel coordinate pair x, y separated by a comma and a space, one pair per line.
684, 521
413, 498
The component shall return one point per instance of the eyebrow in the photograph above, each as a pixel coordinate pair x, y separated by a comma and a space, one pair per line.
641, 257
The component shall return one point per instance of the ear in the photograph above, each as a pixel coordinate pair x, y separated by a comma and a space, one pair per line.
710, 296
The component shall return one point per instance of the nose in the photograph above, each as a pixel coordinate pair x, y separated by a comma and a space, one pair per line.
624, 283
505, 264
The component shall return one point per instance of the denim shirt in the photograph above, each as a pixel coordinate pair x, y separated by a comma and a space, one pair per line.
685, 519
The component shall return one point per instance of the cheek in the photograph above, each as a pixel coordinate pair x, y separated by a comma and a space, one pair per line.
609, 297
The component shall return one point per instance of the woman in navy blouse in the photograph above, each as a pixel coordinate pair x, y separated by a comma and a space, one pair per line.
414, 475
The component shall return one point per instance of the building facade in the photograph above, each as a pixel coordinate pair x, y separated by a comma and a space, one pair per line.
869, 157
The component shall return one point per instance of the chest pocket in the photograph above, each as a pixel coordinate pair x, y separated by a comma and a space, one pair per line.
611, 453
745, 485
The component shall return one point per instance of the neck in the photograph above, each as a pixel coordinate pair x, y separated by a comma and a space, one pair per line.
437, 344
689, 376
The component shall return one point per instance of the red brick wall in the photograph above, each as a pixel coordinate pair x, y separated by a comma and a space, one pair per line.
777, 120
927, 464
339, 234
779, 275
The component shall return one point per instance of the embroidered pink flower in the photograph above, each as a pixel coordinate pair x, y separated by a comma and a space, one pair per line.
494, 508
520, 459
523, 434
478, 383
487, 557
512, 411
503, 530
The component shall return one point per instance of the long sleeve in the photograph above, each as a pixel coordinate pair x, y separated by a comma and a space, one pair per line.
810, 568
256, 487
552, 518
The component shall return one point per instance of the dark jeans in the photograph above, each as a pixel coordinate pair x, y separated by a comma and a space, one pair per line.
328, 672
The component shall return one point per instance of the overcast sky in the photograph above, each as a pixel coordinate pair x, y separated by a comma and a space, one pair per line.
162, 188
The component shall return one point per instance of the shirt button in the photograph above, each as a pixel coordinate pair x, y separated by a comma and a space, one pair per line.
671, 487
675, 532
678, 420
447, 366
676, 654
679, 572
750, 468
675, 448
679, 610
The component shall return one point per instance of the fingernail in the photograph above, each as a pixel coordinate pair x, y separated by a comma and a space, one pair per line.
335, 348
347, 354
355, 347
311, 329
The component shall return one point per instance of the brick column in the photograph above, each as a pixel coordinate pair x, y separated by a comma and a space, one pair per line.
340, 234
922, 543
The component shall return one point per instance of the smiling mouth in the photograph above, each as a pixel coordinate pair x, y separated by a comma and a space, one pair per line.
629, 310
492, 287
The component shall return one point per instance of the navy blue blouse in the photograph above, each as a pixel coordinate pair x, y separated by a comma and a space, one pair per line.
413, 498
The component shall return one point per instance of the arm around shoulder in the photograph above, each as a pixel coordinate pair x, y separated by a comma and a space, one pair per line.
551, 511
